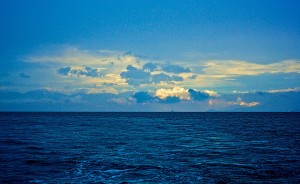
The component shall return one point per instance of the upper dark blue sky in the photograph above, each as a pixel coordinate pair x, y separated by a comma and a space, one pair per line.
260, 30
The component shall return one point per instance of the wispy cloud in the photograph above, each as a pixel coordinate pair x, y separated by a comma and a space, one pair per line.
284, 90
233, 67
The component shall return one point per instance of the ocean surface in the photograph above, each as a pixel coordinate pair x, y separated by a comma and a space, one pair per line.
150, 148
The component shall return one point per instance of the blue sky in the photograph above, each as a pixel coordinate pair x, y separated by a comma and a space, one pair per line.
150, 56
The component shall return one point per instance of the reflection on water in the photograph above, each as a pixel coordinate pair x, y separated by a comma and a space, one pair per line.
149, 147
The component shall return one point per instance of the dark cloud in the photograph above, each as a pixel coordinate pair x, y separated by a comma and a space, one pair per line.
165, 67
91, 72
85, 71
198, 95
160, 77
25, 76
142, 97
175, 69
131, 68
177, 78
150, 66
64, 71
193, 77
135, 76
170, 99
165, 78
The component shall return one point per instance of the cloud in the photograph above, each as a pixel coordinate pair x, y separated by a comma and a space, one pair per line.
251, 104
170, 100
198, 95
179, 92
211, 93
151, 66
240, 102
165, 78
135, 76
142, 97
284, 90
43, 100
130, 72
70, 55
23, 75
120, 100
79, 71
165, 67
175, 69
64, 70
233, 67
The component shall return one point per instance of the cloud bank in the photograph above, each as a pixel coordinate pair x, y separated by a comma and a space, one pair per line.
125, 79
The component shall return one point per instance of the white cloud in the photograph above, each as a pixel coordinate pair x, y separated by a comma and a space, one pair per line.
211, 93
179, 92
240, 102
248, 104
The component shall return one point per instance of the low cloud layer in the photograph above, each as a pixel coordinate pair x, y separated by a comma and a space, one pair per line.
173, 99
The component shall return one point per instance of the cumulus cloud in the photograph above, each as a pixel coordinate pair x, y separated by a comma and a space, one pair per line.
211, 93
198, 95
135, 76
179, 92
151, 66
79, 71
142, 97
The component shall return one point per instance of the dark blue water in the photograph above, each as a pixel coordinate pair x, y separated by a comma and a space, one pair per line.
150, 147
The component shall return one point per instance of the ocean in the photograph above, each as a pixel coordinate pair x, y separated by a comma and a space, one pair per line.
150, 147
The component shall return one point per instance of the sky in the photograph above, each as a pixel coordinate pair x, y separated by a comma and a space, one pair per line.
133, 55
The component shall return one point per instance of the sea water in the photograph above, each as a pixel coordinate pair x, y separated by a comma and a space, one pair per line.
149, 148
